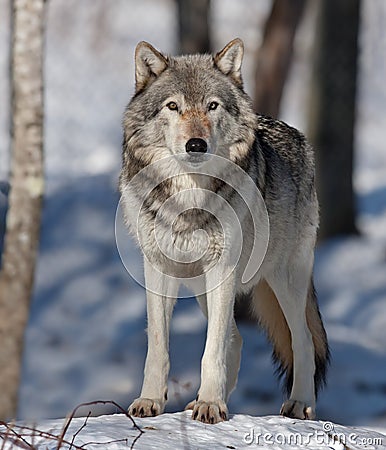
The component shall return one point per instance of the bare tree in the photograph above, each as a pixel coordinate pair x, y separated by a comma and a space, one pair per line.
333, 113
193, 26
275, 54
25, 200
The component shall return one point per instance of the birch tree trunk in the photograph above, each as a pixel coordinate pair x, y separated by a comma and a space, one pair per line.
25, 200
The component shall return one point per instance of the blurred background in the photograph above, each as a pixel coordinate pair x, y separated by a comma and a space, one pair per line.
318, 65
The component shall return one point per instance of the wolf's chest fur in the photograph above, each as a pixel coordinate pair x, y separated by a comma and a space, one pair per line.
183, 237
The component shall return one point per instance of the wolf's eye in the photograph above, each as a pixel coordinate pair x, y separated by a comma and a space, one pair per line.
172, 106
212, 106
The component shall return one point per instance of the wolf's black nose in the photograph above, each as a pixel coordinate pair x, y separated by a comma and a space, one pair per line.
196, 145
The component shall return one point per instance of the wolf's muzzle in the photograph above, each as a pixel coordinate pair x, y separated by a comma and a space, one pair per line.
196, 145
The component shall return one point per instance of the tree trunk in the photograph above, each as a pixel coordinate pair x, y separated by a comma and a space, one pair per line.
25, 200
193, 26
275, 55
332, 114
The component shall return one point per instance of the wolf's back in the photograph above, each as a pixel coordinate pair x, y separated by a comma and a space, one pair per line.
289, 163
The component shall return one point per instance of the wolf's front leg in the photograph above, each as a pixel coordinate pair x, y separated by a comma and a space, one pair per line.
210, 406
161, 297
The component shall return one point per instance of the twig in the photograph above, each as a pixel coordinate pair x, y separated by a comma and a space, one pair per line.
115, 441
19, 440
96, 402
22, 442
4, 437
80, 429
40, 433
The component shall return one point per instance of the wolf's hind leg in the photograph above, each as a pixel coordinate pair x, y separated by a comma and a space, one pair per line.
201, 299
291, 284
301, 403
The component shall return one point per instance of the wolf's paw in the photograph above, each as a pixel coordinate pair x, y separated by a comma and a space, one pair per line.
297, 410
145, 407
209, 412
190, 405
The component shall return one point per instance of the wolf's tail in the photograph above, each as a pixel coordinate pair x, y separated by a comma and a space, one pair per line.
267, 310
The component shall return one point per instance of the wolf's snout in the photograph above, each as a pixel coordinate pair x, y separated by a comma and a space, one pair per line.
196, 145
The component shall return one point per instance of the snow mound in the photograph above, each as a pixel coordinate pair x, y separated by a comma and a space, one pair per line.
178, 431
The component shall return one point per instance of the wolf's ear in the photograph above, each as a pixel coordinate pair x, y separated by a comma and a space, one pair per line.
229, 60
149, 64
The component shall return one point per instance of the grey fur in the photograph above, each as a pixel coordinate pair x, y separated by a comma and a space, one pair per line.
279, 160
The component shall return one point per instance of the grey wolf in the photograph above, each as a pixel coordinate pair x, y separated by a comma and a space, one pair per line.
190, 108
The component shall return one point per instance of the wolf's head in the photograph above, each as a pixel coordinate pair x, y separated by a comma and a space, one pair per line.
188, 105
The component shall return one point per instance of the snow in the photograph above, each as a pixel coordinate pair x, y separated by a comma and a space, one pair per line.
86, 334
178, 431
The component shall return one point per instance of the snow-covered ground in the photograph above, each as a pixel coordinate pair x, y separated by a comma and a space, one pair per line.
85, 339
178, 431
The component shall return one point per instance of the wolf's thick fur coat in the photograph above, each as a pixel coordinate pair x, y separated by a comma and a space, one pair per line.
197, 101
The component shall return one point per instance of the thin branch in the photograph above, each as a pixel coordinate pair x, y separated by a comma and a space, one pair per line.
80, 429
40, 433
22, 443
96, 402
4, 437
115, 441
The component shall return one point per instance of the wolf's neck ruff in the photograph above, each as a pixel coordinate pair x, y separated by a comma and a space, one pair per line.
175, 209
